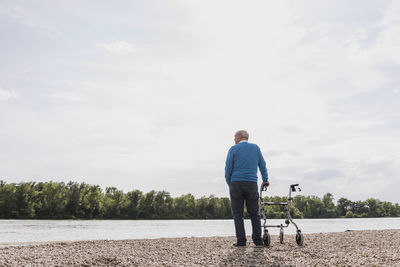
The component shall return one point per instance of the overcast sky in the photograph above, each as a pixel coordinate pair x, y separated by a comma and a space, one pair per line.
148, 94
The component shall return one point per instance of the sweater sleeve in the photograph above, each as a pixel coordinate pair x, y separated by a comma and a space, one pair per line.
262, 166
229, 166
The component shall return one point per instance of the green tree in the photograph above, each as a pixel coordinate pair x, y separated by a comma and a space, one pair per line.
184, 207
314, 207
386, 209
163, 205
82, 201
92, 201
396, 210
328, 210
146, 206
132, 206
8, 205
202, 207
359, 209
114, 203
300, 203
25, 194
349, 214
50, 200
343, 205
225, 210
73, 206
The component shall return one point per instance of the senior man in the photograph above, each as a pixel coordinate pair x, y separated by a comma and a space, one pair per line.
241, 175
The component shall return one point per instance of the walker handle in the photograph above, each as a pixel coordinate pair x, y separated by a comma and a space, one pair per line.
262, 188
293, 187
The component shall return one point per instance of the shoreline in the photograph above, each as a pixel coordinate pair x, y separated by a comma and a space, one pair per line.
208, 219
366, 247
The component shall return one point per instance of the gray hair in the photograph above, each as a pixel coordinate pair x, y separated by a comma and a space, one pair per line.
242, 134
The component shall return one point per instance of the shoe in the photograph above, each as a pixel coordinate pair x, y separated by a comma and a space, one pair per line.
239, 245
259, 245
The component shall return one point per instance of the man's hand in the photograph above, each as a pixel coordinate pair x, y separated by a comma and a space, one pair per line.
264, 185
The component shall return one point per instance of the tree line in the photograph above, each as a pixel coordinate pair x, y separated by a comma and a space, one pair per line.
52, 200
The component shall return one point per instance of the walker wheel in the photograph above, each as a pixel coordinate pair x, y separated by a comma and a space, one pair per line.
266, 238
299, 238
281, 236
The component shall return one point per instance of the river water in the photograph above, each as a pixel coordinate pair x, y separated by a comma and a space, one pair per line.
32, 231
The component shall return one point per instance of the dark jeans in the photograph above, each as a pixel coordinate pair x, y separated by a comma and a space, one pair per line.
241, 192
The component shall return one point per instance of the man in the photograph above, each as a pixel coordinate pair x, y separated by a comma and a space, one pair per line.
241, 176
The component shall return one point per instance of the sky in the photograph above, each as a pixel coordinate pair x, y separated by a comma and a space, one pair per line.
149, 94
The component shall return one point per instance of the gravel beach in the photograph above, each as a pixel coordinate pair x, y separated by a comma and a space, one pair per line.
352, 248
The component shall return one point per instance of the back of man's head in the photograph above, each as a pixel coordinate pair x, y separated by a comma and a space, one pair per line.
242, 134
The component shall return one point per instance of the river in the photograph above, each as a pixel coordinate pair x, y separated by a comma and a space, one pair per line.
32, 231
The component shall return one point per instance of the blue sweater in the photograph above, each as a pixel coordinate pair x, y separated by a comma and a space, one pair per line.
242, 162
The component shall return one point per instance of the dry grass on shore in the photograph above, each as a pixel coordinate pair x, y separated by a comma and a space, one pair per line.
354, 248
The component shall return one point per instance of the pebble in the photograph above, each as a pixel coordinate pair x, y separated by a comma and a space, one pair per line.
352, 248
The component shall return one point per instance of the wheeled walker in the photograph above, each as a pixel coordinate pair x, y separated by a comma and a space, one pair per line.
266, 235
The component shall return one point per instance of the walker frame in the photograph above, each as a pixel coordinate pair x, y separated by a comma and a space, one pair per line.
266, 235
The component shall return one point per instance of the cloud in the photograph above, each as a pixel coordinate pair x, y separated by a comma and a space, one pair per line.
5, 95
322, 174
32, 20
291, 129
156, 102
120, 47
391, 14
68, 96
